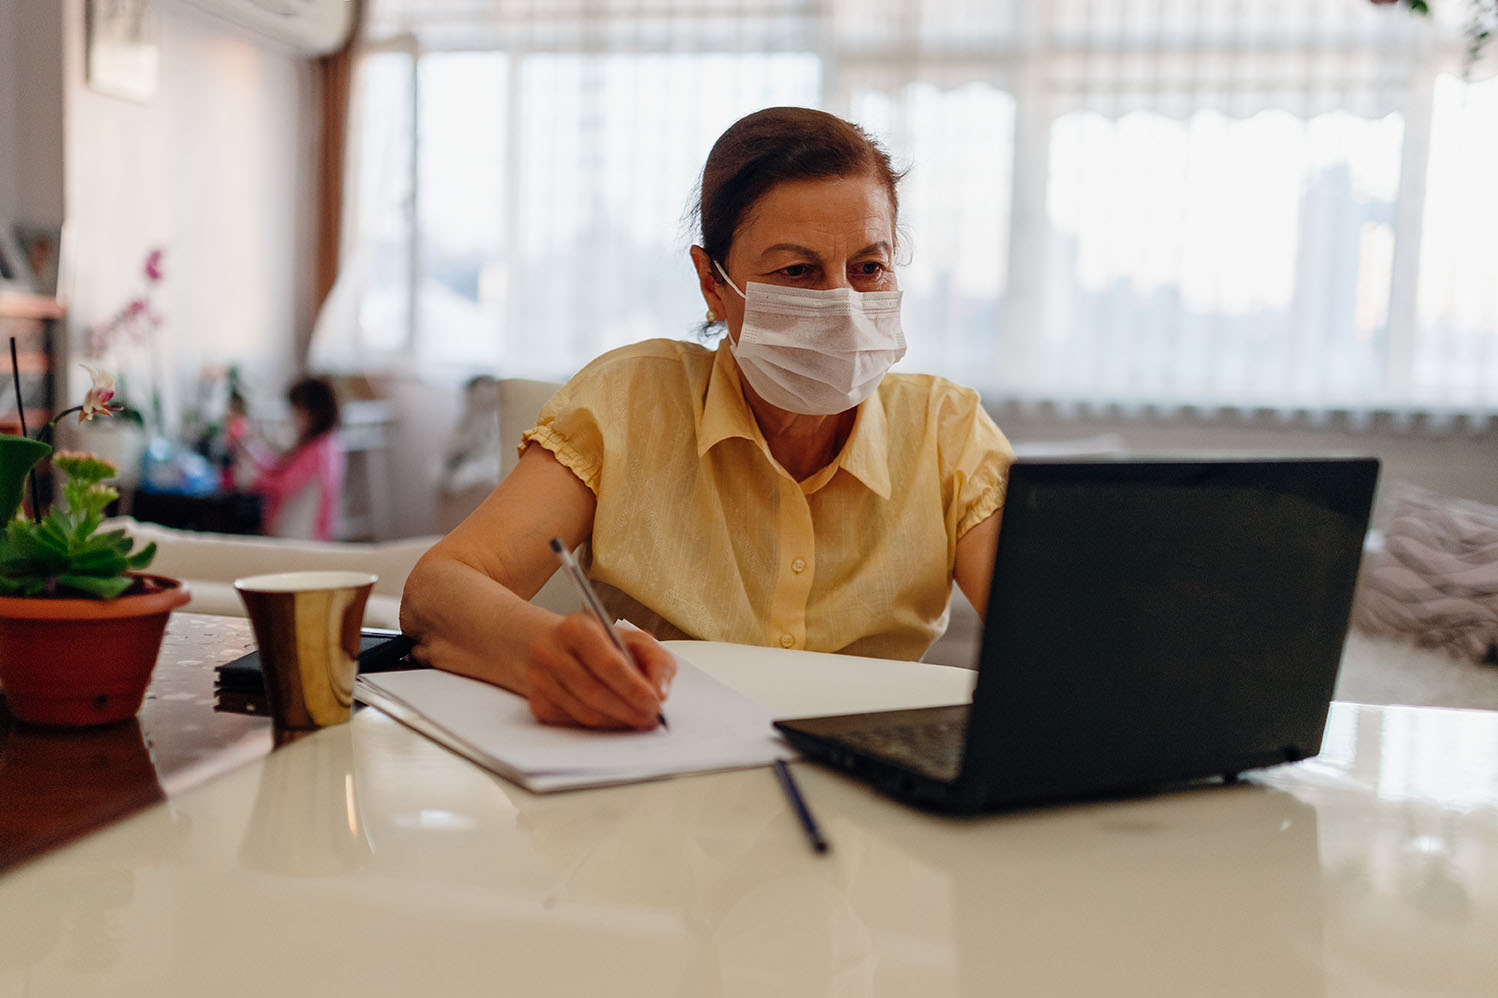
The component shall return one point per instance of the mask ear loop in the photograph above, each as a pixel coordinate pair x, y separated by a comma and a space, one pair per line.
735, 287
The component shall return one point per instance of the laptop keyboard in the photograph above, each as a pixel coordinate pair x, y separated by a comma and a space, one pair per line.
933, 748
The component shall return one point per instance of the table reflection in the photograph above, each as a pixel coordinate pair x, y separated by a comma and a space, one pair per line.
1407, 801
69, 782
59, 783
715, 879
1186, 894
306, 820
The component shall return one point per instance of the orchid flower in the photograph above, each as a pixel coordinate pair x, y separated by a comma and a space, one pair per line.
96, 402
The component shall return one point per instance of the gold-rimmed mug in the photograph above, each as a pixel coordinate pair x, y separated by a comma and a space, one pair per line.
307, 628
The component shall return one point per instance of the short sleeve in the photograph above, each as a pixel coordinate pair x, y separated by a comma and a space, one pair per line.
570, 426
626, 410
975, 458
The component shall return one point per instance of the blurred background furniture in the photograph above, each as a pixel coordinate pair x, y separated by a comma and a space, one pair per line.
365, 430
222, 512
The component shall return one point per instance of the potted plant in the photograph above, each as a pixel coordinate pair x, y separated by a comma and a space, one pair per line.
80, 622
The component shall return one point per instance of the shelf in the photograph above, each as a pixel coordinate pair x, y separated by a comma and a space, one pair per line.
21, 305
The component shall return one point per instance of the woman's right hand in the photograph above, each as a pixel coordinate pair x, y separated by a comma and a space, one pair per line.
577, 676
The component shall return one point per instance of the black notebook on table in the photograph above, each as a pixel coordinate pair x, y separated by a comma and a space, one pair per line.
1149, 623
239, 686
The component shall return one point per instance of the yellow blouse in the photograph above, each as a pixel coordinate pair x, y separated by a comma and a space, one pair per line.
700, 532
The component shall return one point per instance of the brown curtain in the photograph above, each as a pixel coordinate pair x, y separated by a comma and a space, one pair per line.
336, 80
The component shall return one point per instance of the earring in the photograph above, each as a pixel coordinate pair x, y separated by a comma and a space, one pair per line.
712, 315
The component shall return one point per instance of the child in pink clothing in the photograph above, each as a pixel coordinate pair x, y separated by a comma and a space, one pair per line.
303, 489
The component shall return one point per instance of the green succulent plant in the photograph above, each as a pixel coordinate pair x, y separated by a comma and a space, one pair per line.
63, 553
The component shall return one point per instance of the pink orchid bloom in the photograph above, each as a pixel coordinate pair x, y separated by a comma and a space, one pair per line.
153, 265
96, 402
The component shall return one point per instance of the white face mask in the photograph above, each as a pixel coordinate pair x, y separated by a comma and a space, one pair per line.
817, 353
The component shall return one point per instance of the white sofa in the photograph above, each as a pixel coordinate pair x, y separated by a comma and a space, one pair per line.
209, 563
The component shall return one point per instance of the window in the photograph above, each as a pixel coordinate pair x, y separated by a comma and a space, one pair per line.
1283, 204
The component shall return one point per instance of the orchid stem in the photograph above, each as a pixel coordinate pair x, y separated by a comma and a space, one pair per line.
45, 433
15, 376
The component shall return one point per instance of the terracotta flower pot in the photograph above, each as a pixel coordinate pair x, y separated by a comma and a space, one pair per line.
79, 662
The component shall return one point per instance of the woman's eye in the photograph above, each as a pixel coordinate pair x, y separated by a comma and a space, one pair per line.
795, 270
869, 268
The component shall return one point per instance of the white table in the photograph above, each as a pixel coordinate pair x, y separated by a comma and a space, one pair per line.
366, 860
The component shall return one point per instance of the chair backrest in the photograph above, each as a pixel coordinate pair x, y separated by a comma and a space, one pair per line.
520, 399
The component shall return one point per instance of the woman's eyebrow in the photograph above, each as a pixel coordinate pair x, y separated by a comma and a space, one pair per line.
791, 248
880, 246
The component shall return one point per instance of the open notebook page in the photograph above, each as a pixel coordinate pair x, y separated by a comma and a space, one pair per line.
711, 727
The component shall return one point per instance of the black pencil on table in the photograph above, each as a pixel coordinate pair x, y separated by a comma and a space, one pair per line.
798, 804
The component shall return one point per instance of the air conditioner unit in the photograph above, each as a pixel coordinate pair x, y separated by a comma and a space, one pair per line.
311, 27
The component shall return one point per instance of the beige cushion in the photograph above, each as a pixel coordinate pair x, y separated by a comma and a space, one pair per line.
1434, 579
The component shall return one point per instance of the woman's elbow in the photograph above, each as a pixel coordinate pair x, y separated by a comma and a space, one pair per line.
423, 589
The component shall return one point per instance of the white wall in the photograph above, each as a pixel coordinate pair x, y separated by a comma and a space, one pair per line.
217, 169
10, 126
31, 88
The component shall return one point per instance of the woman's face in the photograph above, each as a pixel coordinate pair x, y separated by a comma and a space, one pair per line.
837, 232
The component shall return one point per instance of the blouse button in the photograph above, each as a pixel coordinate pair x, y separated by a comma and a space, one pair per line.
798, 566
786, 640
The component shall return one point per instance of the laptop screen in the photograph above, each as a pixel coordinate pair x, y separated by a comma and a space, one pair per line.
1162, 618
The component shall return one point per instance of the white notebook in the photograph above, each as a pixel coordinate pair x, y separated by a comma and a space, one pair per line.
712, 727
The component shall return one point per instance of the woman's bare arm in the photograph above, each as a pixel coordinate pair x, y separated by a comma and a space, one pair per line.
974, 564
466, 605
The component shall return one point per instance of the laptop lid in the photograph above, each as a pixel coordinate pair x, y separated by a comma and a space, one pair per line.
1159, 621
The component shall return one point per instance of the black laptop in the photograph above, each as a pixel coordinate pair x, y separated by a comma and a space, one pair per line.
1149, 623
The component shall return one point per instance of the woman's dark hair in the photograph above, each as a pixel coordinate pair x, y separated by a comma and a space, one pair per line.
315, 397
773, 146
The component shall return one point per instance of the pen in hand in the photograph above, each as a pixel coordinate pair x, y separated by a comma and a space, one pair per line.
591, 602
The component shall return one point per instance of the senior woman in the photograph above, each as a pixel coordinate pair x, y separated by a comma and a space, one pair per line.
780, 490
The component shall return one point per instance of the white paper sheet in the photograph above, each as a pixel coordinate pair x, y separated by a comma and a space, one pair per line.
711, 727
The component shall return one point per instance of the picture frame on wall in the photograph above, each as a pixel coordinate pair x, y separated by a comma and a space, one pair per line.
121, 51
41, 247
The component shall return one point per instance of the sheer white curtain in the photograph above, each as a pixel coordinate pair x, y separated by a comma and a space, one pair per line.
1282, 203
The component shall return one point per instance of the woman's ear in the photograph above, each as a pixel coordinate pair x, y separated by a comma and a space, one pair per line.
707, 280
